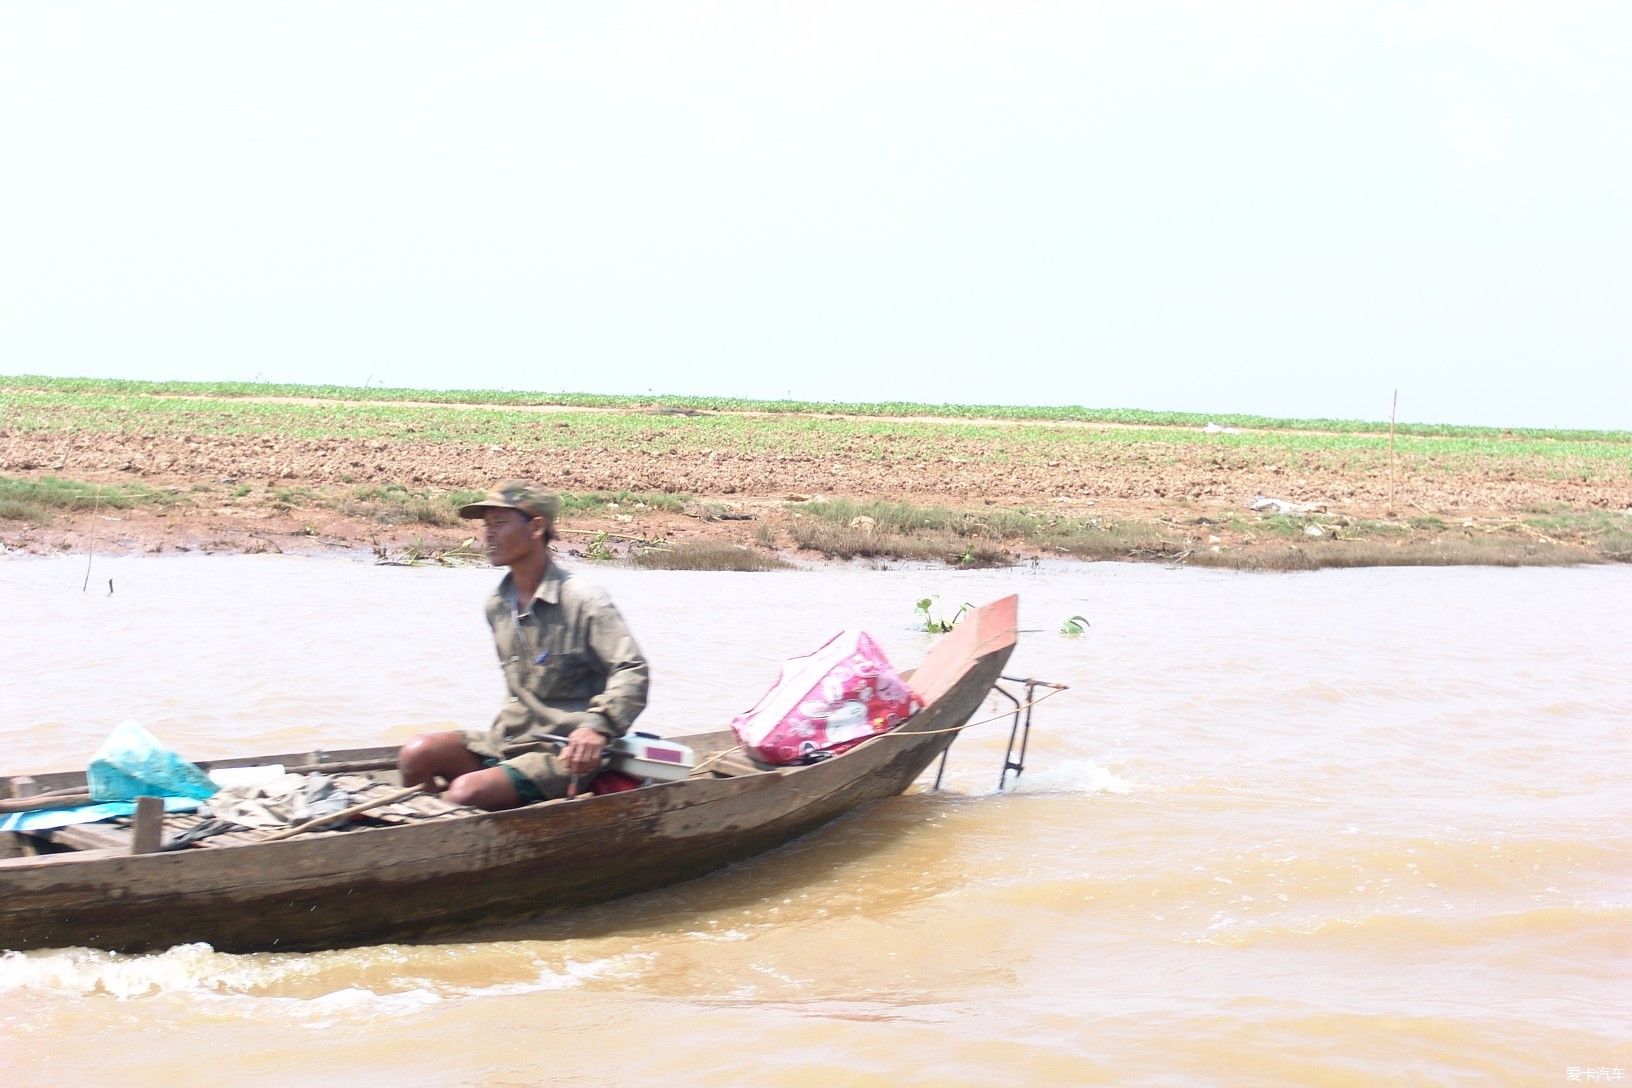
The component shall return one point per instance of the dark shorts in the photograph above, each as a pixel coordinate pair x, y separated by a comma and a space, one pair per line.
537, 776
526, 788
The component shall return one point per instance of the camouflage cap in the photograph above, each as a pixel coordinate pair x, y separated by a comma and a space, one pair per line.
530, 499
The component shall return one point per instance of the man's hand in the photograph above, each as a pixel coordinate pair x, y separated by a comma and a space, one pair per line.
582, 752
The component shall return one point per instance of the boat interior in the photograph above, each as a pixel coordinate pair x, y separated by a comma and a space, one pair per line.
368, 775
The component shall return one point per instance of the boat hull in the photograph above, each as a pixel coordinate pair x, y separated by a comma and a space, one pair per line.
400, 883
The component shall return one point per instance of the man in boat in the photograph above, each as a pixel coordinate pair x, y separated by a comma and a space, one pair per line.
572, 669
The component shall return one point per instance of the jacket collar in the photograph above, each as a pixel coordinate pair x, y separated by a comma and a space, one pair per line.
549, 588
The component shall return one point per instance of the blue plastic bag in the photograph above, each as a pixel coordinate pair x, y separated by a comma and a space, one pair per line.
132, 763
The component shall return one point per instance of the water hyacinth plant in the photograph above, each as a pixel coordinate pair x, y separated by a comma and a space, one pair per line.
935, 625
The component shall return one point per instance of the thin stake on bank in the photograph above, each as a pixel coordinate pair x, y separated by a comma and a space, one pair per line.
1392, 412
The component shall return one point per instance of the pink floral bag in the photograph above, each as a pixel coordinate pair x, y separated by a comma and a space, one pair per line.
826, 702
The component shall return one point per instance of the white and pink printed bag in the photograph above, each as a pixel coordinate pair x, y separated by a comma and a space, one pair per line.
826, 702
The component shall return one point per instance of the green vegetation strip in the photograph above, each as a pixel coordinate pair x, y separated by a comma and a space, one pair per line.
969, 538
26, 499
102, 412
394, 504
39, 499
82, 387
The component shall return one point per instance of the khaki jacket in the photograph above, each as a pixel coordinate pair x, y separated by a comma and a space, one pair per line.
568, 660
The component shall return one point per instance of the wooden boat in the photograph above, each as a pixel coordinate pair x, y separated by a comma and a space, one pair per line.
426, 866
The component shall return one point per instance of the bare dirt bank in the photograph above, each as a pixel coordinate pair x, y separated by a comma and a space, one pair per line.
1190, 502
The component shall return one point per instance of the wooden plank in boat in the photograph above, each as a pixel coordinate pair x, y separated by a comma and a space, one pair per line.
98, 836
36, 860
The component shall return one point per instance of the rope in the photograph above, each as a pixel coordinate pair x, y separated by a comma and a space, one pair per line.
715, 758
970, 725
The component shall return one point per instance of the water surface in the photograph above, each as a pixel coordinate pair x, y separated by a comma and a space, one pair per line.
1337, 828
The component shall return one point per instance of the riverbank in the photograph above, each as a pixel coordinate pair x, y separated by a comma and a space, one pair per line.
145, 468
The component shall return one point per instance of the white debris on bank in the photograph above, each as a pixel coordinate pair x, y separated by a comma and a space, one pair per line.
1263, 503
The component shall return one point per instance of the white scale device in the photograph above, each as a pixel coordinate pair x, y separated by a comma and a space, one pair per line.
642, 755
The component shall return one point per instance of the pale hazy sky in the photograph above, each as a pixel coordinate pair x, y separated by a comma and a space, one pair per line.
1269, 207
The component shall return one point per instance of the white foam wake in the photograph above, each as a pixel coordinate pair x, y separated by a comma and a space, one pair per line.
1074, 776
408, 980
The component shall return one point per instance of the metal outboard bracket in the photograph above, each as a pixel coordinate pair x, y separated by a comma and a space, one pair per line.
1020, 728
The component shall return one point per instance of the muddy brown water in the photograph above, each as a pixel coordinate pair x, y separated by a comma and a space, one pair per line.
1339, 828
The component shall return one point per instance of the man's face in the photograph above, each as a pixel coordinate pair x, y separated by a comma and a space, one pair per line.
510, 536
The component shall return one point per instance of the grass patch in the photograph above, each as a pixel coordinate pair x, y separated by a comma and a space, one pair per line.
1608, 531
705, 555
1092, 538
594, 502
284, 499
1616, 546
905, 518
1581, 522
1476, 552
848, 542
968, 537
1388, 529
394, 504
39, 499
1287, 525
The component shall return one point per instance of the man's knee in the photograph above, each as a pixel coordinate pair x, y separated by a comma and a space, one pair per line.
435, 754
490, 789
